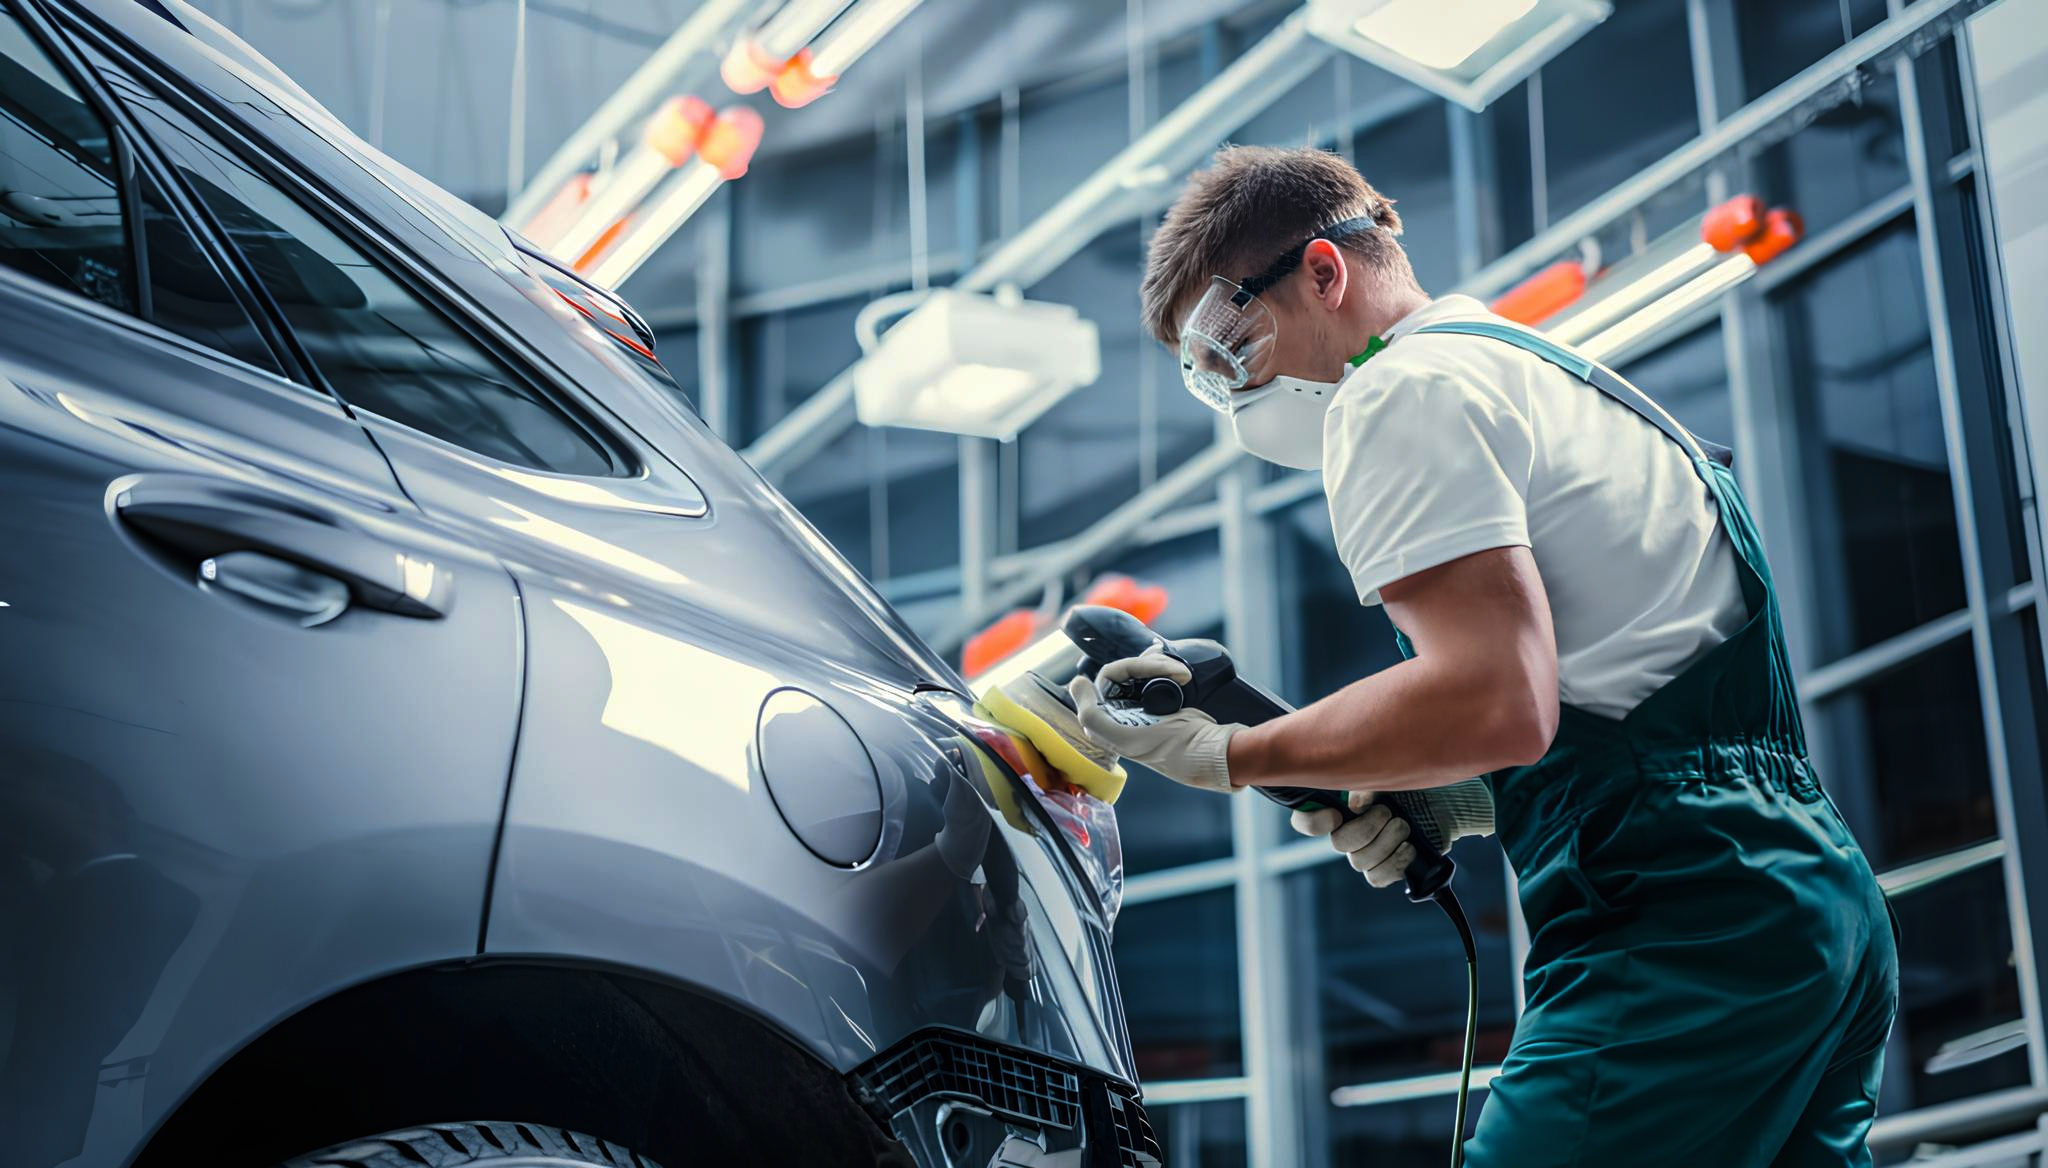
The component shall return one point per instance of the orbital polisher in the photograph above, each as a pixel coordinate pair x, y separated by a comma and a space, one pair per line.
1107, 634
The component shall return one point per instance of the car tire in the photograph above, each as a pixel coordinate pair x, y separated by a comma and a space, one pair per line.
496, 1143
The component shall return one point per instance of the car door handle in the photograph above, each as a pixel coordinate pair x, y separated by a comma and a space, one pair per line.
301, 595
207, 521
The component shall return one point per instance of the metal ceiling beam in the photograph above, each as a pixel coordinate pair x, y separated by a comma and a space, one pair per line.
1112, 531
1135, 182
1769, 119
1140, 179
700, 33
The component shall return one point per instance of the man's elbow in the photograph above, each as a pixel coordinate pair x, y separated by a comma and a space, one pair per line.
1521, 724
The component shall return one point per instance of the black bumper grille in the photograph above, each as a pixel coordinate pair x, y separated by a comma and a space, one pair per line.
1101, 1113
1136, 1146
967, 1068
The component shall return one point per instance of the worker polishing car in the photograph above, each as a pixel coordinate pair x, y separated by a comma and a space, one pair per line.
1588, 622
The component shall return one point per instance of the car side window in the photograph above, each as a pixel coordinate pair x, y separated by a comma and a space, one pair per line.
60, 191
67, 216
381, 347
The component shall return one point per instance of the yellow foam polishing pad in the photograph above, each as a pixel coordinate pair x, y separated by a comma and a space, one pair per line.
1031, 706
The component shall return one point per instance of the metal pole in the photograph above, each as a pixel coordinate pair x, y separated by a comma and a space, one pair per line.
1137, 74
978, 456
714, 315
1765, 412
978, 520
515, 129
1539, 160
1973, 432
380, 76
914, 144
2030, 469
1472, 187
1250, 623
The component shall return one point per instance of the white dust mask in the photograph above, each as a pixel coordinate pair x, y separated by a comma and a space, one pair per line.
1282, 420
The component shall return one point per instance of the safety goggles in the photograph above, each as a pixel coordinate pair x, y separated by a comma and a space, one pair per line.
1227, 342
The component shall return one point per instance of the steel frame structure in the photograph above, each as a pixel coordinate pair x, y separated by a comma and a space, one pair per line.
1768, 427
1136, 181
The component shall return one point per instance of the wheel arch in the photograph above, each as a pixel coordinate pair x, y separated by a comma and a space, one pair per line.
681, 1076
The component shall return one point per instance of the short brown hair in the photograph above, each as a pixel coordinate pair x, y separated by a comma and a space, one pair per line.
1252, 203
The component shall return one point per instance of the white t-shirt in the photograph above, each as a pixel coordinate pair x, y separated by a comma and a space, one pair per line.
1445, 445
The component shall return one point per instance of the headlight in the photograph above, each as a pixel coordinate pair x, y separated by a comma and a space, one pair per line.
1084, 823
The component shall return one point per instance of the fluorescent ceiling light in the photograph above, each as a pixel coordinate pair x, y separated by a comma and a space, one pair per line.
667, 141
970, 364
855, 33
1617, 295
724, 148
1612, 344
1440, 34
1002, 388
1660, 287
1470, 51
793, 26
655, 223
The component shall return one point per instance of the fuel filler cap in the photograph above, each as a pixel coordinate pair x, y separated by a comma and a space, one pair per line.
820, 777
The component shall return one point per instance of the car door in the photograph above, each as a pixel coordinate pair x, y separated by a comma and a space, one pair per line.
255, 719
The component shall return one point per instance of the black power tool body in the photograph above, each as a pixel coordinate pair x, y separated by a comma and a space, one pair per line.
1109, 634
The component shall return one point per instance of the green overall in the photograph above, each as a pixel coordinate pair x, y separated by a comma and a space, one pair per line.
1712, 968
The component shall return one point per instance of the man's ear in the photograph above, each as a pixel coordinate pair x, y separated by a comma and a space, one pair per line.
1328, 276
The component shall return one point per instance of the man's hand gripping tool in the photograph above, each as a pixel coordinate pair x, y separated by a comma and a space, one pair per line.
1107, 634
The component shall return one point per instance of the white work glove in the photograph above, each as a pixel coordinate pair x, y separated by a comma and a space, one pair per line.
1153, 662
1189, 747
1376, 842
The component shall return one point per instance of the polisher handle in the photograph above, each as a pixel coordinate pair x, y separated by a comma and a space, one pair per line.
1426, 875
1108, 634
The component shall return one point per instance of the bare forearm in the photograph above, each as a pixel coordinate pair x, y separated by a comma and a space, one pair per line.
1412, 726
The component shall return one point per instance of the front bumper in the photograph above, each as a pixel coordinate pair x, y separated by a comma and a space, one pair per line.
958, 1100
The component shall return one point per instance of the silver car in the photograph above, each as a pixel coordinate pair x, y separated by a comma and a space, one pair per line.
422, 740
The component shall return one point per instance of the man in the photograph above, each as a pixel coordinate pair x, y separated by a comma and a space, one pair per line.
1589, 624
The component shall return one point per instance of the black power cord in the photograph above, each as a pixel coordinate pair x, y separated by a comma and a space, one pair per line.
1448, 901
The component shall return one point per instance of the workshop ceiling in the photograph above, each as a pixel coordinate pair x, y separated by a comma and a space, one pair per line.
445, 77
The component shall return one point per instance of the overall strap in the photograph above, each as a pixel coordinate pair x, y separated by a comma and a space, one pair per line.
1593, 373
